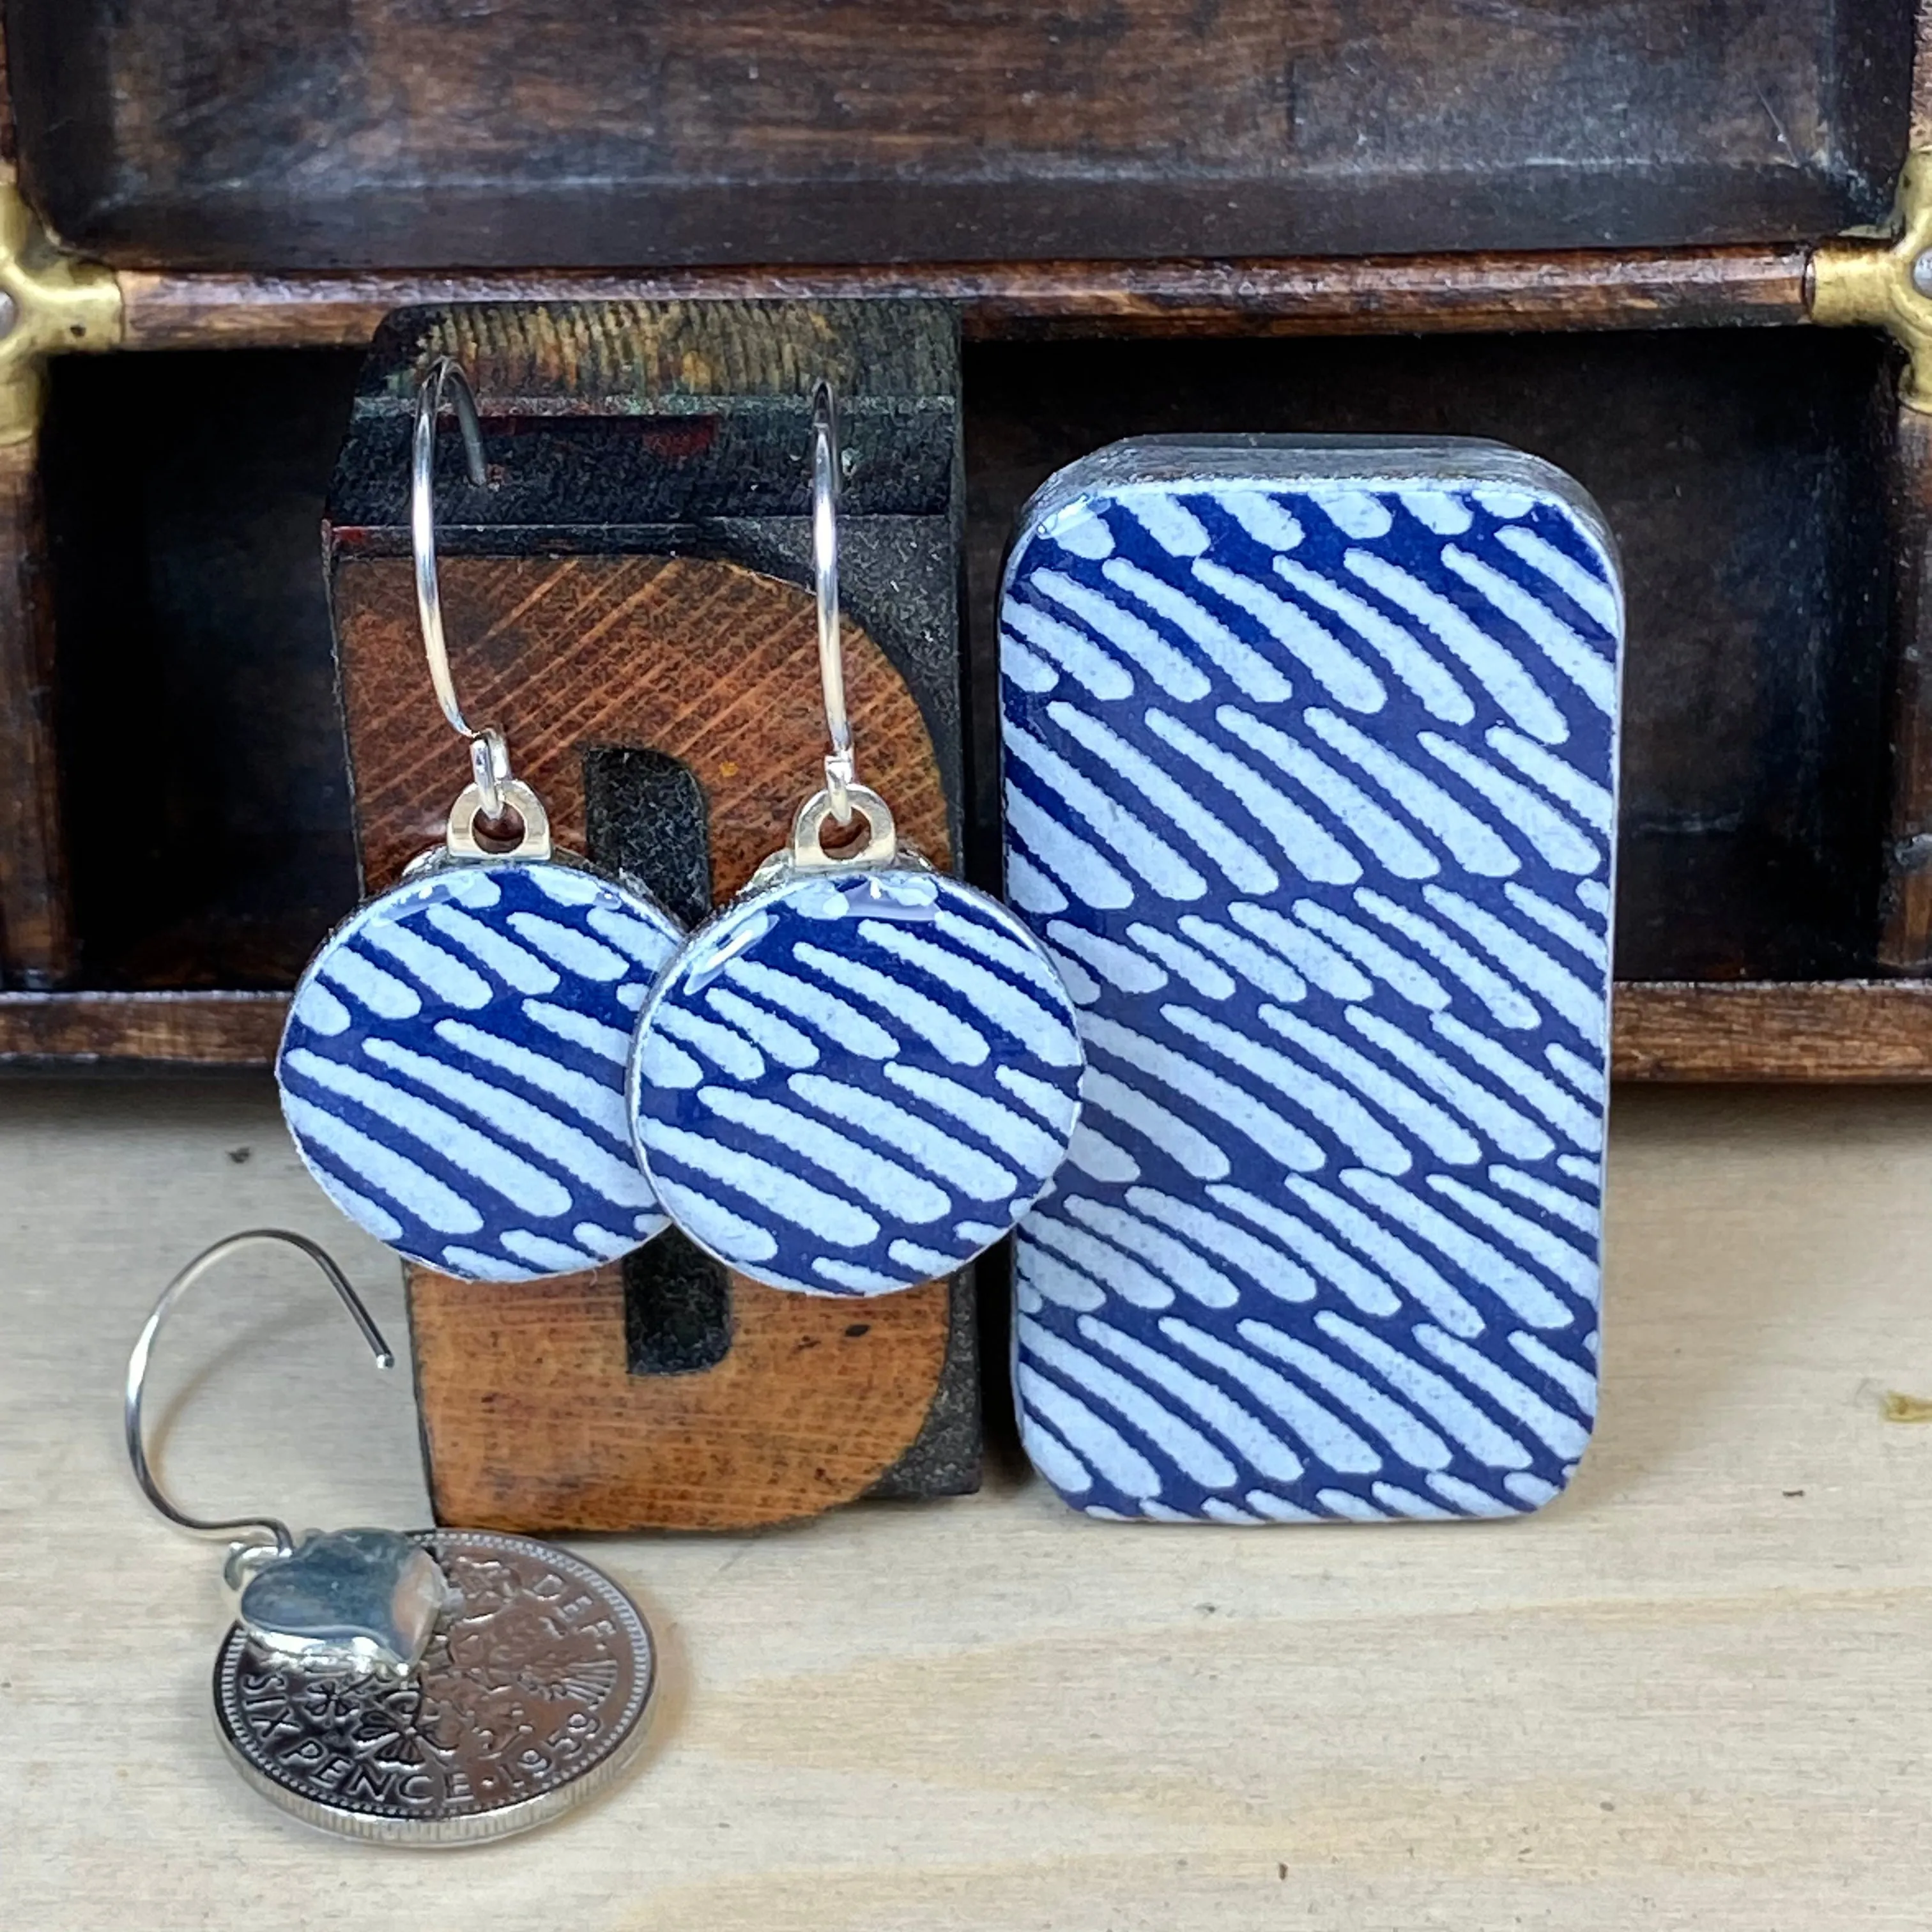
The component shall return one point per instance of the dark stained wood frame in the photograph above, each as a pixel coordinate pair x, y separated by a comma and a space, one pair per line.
37, 945
751, 131
1368, 294
1834, 1030
1677, 1031
1905, 943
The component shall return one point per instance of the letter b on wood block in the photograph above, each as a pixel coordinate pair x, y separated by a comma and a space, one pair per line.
629, 604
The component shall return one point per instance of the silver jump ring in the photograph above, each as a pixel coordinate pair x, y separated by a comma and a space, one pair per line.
144, 1349
808, 833
840, 773
489, 755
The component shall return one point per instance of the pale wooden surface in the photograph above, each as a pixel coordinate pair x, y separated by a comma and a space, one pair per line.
1694, 1694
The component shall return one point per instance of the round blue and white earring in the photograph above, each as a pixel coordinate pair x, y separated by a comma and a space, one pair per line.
454, 1064
861, 1072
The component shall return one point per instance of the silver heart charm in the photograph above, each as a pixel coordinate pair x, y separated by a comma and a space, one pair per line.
359, 1600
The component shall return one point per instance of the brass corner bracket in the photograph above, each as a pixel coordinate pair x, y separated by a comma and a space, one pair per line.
51, 304
1858, 284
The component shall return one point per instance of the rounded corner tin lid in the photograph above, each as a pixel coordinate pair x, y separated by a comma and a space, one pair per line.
1316, 752
1066, 508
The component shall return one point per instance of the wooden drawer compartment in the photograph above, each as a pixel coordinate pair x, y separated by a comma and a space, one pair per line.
183, 493
1600, 234
569, 134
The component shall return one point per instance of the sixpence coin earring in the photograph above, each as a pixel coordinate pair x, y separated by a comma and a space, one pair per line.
861, 1072
434, 1687
453, 1067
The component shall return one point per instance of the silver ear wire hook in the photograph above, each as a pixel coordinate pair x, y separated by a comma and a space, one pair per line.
343, 1692
840, 773
144, 1348
843, 795
489, 755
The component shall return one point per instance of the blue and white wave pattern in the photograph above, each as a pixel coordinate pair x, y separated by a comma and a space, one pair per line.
454, 1066
1310, 791
853, 1083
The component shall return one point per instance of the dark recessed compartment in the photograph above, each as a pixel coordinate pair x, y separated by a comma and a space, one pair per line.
282, 135
1743, 472
206, 789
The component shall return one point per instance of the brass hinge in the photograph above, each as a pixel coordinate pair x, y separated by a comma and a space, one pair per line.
51, 304
1860, 284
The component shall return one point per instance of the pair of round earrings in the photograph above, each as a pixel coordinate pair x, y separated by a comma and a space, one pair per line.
852, 1078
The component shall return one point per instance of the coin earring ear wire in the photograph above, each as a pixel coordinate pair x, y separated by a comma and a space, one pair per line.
442, 1687
861, 1072
453, 1068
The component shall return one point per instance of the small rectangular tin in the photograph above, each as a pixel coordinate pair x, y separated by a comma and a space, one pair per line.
1310, 752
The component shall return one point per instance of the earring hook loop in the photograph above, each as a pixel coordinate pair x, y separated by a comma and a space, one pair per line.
840, 772
489, 755
144, 1348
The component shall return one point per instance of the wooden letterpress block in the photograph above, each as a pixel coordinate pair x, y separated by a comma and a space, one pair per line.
627, 601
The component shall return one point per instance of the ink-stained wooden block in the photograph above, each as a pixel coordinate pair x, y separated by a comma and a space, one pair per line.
626, 599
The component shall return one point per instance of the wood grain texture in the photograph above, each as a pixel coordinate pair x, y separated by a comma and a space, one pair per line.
37, 941
136, 1029
704, 660
530, 1419
1921, 133
532, 1422
382, 133
1682, 1031
1682, 1698
1822, 1030
1905, 943
1573, 289
623, 359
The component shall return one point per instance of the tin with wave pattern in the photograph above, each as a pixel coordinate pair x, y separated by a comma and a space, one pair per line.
1310, 761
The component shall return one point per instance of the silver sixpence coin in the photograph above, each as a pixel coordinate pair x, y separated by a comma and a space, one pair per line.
531, 1698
